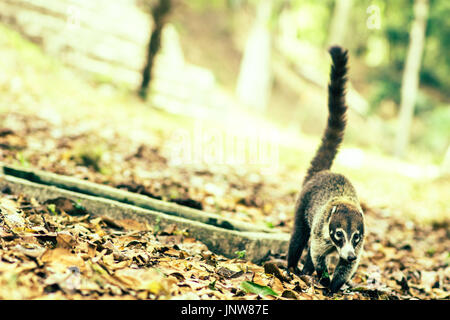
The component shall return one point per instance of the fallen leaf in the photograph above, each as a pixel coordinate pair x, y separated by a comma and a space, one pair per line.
289, 294
276, 285
5, 234
33, 252
229, 274
12, 215
60, 259
65, 240
251, 287
130, 224
272, 268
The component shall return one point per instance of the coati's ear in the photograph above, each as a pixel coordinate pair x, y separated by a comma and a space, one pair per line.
333, 210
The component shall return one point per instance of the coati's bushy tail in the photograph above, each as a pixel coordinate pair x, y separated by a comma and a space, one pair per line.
337, 108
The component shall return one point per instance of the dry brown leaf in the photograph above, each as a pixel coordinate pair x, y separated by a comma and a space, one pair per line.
132, 225
276, 285
289, 294
65, 240
61, 259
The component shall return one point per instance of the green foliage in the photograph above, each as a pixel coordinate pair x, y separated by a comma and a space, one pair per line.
436, 64
79, 206
325, 275
386, 78
385, 86
251, 287
212, 285
436, 124
22, 160
240, 254
52, 209
269, 225
311, 19
157, 225
29, 51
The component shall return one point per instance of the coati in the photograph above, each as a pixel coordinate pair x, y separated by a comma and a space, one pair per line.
328, 211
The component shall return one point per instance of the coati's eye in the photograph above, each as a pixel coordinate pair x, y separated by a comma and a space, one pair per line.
356, 238
339, 234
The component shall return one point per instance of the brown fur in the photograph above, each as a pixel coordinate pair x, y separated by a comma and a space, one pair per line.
328, 204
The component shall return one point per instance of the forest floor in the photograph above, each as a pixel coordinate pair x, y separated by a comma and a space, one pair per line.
58, 250
52, 120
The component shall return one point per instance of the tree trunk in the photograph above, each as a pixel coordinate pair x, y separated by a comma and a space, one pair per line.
254, 80
410, 81
339, 22
159, 14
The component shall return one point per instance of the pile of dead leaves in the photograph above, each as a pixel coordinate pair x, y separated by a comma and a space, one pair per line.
58, 250
404, 259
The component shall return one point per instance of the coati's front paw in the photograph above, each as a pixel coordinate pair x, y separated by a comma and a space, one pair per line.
334, 286
325, 281
331, 288
328, 293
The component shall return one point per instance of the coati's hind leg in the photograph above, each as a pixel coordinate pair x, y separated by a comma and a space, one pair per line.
298, 241
308, 268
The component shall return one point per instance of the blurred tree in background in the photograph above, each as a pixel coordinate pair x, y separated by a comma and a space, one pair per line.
410, 79
270, 55
159, 14
378, 36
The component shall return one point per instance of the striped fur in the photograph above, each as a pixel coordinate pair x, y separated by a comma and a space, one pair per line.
328, 214
337, 120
